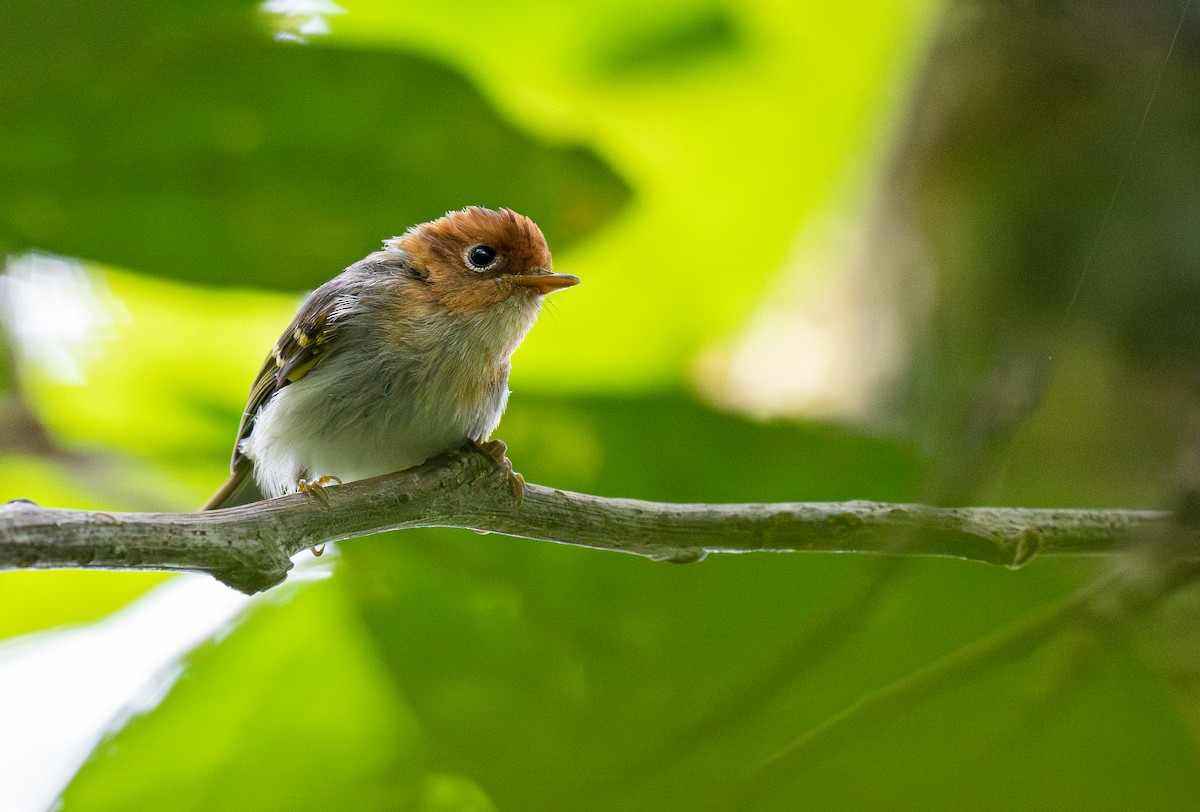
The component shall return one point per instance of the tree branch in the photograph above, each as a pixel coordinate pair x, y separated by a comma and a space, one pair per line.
249, 547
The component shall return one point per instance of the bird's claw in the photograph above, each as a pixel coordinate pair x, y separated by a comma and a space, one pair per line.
517, 483
498, 451
316, 486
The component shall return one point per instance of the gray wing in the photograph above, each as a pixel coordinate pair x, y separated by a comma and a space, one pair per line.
310, 337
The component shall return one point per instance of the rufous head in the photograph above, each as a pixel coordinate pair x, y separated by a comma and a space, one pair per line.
478, 257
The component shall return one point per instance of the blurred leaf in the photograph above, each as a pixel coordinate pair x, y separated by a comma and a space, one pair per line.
683, 40
566, 678
290, 711
1080, 725
733, 123
184, 142
669, 447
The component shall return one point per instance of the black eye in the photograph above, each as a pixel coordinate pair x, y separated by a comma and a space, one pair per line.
481, 256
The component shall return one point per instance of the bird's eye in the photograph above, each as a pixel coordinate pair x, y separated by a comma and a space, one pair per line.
481, 257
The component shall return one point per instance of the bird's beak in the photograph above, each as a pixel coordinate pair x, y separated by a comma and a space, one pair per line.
544, 282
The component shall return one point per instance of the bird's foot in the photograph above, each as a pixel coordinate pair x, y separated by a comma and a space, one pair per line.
498, 451
316, 486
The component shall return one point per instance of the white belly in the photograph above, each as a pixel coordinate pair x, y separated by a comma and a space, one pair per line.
383, 417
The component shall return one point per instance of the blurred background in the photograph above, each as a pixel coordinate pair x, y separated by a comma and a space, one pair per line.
929, 251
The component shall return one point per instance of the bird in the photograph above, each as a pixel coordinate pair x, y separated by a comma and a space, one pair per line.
402, 356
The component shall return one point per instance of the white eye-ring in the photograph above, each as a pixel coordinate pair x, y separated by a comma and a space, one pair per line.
481, 257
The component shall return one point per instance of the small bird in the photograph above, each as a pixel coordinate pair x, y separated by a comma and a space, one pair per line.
402, 356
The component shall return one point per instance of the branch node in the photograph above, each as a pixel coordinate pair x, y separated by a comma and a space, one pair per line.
692, 555
1028, 545
18, 505
249, 580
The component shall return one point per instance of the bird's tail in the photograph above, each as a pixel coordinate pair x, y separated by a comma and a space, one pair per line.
239, 489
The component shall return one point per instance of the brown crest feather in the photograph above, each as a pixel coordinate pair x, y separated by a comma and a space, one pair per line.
439, 248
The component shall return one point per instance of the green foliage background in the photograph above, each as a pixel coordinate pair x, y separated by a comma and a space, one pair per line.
676, 154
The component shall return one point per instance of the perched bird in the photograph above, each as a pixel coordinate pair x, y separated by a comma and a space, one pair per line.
402, 356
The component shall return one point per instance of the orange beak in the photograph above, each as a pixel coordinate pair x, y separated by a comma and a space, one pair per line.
545, 282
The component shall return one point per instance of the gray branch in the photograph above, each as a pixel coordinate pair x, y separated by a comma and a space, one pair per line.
249, 547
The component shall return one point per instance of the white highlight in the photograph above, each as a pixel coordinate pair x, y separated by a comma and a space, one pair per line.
296, 20
63, 691
827, 341
58, 316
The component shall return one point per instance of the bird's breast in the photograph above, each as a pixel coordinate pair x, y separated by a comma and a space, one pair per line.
385, 401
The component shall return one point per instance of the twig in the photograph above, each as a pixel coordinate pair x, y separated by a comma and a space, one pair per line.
249, 547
